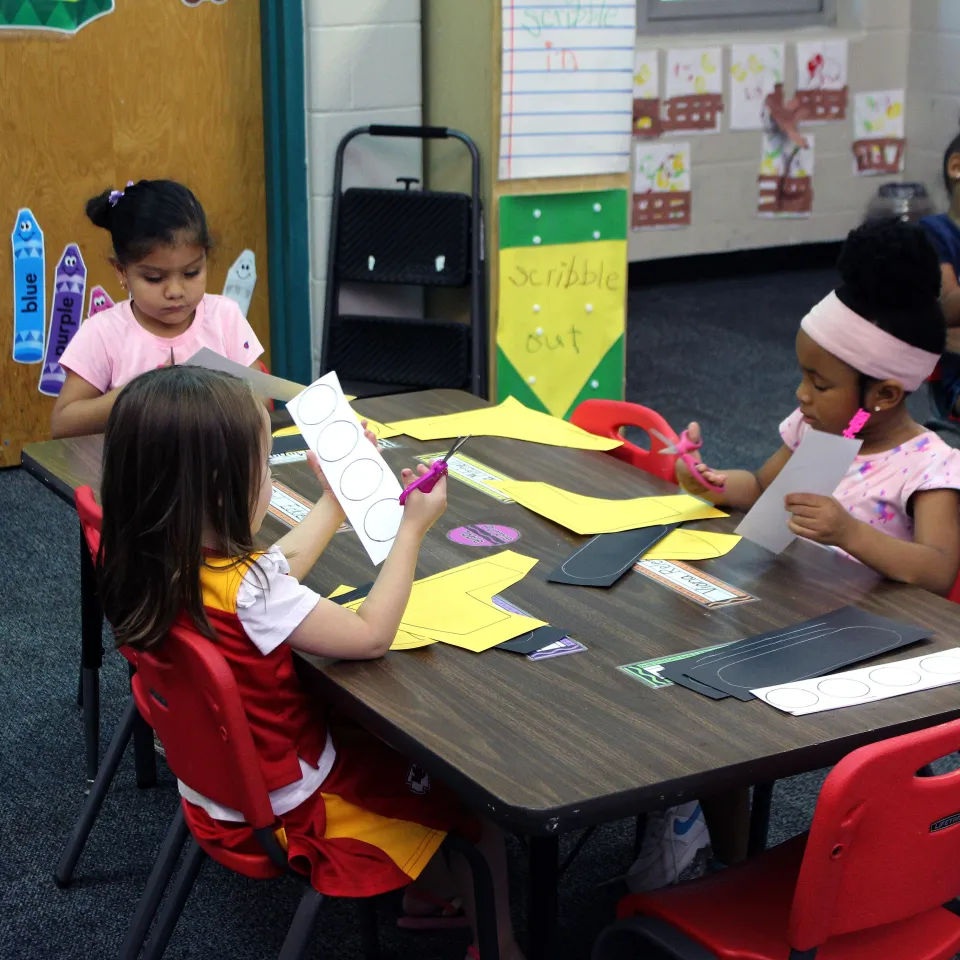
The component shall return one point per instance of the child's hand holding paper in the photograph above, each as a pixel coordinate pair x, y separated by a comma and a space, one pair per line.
818, 518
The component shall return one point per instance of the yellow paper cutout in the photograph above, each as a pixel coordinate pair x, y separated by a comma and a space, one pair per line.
562, 308
382, 431
455, 606
402, 641
692, 545
589, 515
510, 419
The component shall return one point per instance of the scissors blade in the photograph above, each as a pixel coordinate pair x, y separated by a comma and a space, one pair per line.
457, 444
668, 445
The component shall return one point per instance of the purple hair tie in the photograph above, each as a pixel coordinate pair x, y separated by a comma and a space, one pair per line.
115, 195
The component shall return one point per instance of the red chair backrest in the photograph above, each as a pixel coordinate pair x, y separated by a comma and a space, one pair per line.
606, 418
884, 844
196, 710
91, 517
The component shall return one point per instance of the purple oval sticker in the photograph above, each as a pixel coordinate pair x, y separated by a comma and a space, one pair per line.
483, 535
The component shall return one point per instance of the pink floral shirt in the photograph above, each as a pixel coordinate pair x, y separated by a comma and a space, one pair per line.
878, 487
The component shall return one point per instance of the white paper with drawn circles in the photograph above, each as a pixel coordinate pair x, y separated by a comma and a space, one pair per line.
865, 685
358, 475
790, 698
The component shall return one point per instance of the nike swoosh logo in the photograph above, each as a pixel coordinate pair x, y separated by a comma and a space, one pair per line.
681, 827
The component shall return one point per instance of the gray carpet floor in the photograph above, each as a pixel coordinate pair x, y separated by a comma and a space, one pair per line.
720, 351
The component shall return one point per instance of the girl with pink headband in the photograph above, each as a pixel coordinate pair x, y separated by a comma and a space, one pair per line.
866, 347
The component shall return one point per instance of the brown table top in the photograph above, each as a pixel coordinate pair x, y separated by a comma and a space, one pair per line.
555, 744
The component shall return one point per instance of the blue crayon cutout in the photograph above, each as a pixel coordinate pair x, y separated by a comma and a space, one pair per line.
29, 291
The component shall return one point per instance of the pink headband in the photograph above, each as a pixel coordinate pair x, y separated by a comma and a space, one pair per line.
867, 348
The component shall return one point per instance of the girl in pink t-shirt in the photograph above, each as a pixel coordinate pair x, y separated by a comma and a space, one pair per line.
160, 243
868, 345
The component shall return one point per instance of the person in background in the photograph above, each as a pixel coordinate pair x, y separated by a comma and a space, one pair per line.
160, 246
943, 229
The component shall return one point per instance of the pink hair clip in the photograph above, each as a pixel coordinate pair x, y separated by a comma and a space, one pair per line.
115, 195
858, 422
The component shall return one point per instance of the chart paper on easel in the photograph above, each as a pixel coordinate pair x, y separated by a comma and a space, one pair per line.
566, 88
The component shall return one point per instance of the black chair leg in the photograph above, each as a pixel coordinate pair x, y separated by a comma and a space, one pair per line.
144, 752
369, 936
488, 943
301, 929
760, 818
90, 683
582, 841
91, 806
160, 875
170, 914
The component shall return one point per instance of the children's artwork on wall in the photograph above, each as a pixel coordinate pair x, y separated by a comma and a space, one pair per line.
241, 280
661, 186
822, 79
563, 270
29, 288
100, 300
646, 94
69, 287
755, 70
693, 99
878, 132
566, 103
61, 16
786, 177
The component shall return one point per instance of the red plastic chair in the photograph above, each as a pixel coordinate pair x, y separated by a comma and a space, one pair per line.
196, 709
869, 881
606, 418
130, 725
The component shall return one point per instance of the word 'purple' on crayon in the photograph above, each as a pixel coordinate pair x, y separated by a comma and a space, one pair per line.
69, 287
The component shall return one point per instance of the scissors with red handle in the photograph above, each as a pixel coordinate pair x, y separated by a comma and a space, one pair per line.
682, 449
427, 481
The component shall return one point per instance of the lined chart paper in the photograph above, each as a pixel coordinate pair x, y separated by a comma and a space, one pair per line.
567, 87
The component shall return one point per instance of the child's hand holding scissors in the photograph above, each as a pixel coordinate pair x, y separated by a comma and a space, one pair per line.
693, 474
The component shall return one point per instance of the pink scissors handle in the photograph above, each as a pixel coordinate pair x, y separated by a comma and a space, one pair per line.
427, 481
684, 448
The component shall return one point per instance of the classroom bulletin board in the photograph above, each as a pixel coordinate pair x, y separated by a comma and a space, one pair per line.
100, 93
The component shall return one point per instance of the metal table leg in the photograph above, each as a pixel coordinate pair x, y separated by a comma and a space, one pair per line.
542, 911
91, 659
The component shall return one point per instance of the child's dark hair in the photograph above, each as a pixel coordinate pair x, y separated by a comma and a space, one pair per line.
952, 147
890, 274
183, 454
147, 214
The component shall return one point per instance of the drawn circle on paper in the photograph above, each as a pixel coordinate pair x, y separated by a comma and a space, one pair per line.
483, 535
894, 676
791, 698
361, 479
843, 688
943, 666
337, 440
317, 404
383, 520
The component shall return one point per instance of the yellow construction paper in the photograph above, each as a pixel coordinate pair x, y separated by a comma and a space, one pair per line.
403, 640
591, 515
455, 606
382, 431
562, 308
510, 419
692, 545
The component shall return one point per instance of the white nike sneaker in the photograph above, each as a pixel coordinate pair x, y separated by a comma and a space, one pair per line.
675, 848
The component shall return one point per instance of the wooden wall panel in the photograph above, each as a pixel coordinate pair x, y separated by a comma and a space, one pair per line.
154, 89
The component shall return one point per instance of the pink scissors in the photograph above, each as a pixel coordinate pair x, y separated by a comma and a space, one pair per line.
426, 482
682, 449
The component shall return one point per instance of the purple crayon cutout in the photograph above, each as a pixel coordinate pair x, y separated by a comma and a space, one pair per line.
100, 300
69, 287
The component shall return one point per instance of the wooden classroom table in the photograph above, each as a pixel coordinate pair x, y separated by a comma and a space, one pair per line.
544, 747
